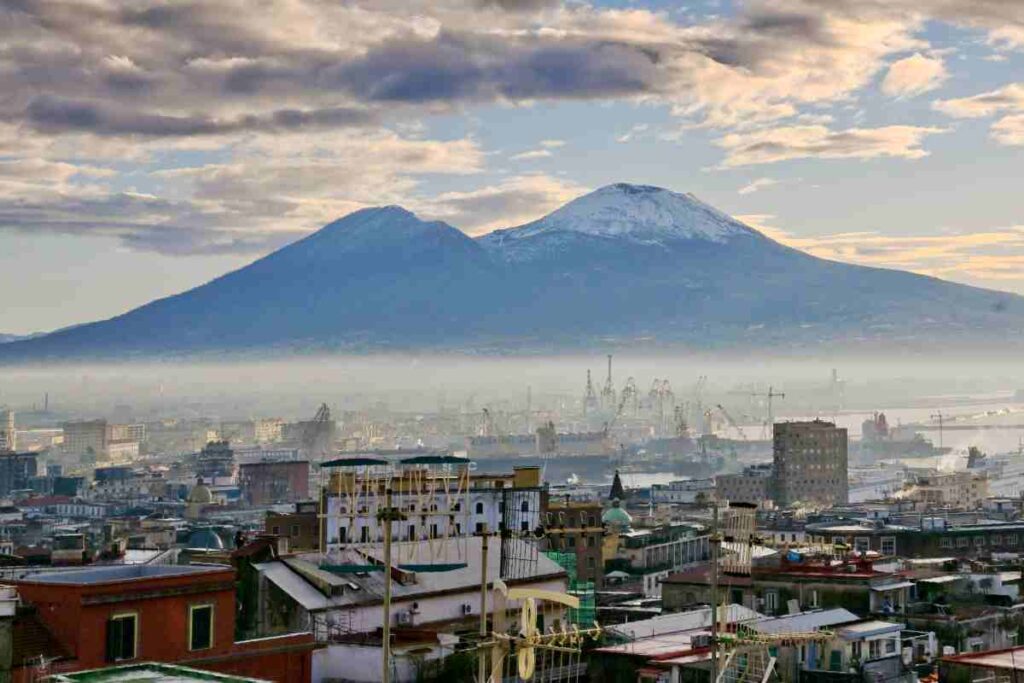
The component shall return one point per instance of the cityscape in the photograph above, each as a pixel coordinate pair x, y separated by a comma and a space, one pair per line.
499, 341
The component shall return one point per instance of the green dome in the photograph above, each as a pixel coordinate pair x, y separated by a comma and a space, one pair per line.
206, 539
616, 516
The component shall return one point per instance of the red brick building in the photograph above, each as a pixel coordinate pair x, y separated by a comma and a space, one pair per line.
162, 613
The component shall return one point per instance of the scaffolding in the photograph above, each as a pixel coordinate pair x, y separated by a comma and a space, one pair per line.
585, 615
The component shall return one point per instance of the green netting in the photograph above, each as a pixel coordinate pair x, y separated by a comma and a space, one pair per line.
586, 615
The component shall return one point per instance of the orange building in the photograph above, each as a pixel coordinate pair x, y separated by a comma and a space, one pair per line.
159, 613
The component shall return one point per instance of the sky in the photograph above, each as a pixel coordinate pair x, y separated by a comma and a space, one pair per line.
146, 148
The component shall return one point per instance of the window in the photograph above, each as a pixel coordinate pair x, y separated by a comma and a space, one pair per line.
525, 507
571, 540
963, 542
1011, 539
295, 530
433, 531
814, 598
771, 601
874, 649
888, 545
591, 541
412, 533
364, 534
122, 637
979, 541
890, 646
479, 508
200, 627
946, 543
862, 544
276, 530
995, 539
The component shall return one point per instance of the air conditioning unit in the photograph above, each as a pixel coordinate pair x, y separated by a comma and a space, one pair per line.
404, 619
700, 640
467, 608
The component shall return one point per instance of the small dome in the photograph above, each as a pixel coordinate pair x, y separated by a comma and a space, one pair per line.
206, 539
616, 516
200, 494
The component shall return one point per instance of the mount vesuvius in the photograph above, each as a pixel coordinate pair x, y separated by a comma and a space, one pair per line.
625, 265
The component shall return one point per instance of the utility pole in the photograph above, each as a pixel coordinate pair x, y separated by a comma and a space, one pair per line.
715, 542
387, 516
481, 651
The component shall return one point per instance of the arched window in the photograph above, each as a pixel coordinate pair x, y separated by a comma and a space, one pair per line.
525, 507
479, 508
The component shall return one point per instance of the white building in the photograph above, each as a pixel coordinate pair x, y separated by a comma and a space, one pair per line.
683, 491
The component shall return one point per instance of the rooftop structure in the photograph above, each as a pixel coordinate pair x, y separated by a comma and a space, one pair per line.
151, 672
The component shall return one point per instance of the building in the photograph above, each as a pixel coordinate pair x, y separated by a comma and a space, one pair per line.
439, 502
266, 483
127, 432
215, 462
182, 614
810, 461
752, 485
8, 434
440, 608
86, 440
16, 471
300, 528
151, 672
575, 527
122, 451
963, 490
684, 491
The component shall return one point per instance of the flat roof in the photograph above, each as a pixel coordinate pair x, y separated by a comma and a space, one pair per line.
866, 629
115, 573
806, 621
152, 673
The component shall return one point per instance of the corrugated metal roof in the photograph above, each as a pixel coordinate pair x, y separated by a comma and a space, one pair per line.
806, 621
682, 622
867, 629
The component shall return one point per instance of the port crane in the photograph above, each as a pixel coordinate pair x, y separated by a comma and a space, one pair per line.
732, 422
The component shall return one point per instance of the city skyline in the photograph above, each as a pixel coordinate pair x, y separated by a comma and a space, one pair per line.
144, 151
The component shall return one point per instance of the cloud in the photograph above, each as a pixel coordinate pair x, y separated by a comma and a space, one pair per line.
532, 154
990, 257
757, 185
914, 75
770, 145
1007, 98
510, 202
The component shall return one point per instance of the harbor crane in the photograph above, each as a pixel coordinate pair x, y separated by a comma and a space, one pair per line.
732, 422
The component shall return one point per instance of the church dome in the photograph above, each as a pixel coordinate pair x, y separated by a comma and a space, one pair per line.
206, 539
616, 516
200, 494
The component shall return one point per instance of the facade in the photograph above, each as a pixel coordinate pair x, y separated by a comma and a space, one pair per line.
437, 503
575, 527
933, 537
122, 451
266, 483
752, 485
8, 434
301, 528
86, 440
16, 470
161, 613
959, 490
685, 491
127, 432
215, 461
811, 463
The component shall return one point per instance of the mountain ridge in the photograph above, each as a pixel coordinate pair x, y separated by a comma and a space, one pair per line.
624, 263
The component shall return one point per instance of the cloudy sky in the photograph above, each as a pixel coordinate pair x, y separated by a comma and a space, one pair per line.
146, 147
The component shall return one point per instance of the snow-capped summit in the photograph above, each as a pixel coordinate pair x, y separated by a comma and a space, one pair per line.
641, 213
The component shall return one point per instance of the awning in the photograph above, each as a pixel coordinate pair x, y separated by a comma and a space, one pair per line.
893, 586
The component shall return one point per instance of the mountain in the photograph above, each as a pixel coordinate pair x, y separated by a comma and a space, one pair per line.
625, 265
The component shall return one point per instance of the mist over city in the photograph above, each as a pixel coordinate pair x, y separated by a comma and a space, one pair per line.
550, 341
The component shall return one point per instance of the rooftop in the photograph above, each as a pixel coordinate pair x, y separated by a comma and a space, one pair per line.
151, 672
118, 573
682, 621
1010, 659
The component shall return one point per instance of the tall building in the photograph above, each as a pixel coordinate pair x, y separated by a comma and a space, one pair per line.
86, 439
16, 469
266, 483
215, 461
810, 461
8, 437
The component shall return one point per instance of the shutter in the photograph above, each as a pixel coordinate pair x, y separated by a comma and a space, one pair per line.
127, 638
113, 639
